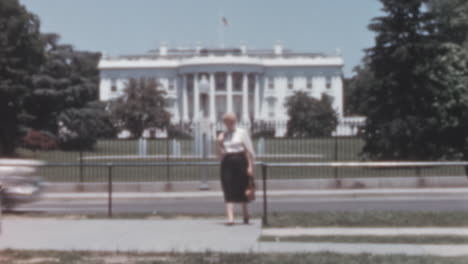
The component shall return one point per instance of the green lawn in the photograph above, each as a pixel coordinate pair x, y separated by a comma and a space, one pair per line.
76, 257
330, 149
433, 240
369, 219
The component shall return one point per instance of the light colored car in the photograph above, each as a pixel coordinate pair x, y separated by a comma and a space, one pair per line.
18, 183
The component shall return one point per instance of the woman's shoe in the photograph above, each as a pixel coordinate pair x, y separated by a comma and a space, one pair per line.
246, 220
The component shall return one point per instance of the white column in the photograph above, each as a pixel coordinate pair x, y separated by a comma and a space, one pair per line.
212, 98
245, 99
196, 98
105, 92
229, 92
265, 105
337, 91
185, 115
176, 112
257, 98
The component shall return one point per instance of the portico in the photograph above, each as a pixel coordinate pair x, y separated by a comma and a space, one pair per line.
210, 94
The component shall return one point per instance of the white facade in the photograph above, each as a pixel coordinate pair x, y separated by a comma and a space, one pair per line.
202, 84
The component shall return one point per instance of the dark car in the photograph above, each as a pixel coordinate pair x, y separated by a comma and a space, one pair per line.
18, 183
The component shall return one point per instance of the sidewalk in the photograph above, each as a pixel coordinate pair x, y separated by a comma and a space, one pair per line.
340, 193
182, 235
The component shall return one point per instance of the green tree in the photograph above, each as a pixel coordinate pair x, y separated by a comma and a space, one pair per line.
67, 79
65, 92
20, 55
354, 87
309, 117
142, 106
79, 128
417, 104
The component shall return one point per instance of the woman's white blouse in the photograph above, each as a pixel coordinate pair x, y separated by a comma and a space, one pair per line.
237, 141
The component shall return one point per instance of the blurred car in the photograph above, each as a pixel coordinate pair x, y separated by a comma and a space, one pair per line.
18, 183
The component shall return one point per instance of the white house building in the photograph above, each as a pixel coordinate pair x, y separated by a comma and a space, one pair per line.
204, 83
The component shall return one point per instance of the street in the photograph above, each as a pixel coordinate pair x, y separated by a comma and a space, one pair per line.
214, 205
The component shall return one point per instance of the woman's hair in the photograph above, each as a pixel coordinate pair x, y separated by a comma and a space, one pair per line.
229, 116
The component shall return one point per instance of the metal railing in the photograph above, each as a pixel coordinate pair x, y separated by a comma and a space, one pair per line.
392, 164
264, 171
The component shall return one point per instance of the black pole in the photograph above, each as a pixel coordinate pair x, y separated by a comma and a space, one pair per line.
265, 204
81, 166
109, 186
168, 170
1, 207
421, 181
336, 153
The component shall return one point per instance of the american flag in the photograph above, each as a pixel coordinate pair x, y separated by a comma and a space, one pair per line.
225, 21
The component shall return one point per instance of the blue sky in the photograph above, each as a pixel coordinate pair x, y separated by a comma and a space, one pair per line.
135, 26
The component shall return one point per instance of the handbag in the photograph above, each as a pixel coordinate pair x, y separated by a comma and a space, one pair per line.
250, 190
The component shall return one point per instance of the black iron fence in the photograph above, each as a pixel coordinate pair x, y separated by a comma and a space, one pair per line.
266, 170
270, 141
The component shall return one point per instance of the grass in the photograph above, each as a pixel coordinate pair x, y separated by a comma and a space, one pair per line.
70, 257
372, 239
347, 149
369, 219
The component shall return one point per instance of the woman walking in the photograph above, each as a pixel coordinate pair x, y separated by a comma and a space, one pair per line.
235, 149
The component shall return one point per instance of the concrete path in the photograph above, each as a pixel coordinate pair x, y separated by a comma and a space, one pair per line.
196, 235
178, 235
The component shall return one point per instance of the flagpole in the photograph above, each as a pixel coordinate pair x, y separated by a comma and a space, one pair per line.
220, 29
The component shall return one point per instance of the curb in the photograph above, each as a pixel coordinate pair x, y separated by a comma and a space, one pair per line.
345, 194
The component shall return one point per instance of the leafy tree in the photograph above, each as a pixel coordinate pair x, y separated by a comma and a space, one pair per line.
142, 106
309, 117
451, 17
417, 104
67, 79
65, 92
353, 90
79, 128
20, 54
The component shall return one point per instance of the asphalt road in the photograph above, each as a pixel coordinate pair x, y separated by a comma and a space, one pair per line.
215, 206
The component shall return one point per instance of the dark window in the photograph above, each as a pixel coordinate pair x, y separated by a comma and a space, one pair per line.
328, 83
309, 84
220, 80
271, 83
171, 84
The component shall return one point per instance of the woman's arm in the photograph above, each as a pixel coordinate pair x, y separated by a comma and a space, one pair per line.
249, 150
219, 146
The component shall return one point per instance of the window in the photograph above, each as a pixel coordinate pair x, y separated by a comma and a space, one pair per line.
113, 86
290, 83
171, 84
309, 84
237, 81
271, 83
220, 81
328, 83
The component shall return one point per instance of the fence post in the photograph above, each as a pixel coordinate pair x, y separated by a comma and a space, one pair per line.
1, 207
168, 169
81, 166
204, 181
421, 181
109, 189
335, 169
265, 203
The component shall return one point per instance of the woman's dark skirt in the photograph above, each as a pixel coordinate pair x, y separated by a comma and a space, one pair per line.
234, 179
